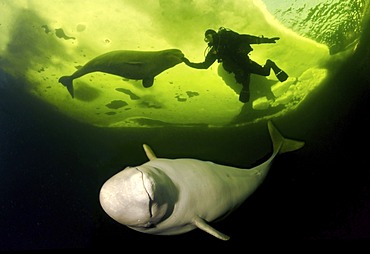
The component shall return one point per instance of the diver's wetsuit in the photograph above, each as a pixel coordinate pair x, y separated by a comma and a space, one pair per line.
232, 50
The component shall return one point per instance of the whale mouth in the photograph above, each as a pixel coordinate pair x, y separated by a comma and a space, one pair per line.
315, 38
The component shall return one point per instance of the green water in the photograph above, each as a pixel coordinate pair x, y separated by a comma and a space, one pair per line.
43, 41
56, 152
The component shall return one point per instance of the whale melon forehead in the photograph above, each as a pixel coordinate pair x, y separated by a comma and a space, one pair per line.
124, 198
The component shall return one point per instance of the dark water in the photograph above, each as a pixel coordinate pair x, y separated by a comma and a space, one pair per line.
52, 169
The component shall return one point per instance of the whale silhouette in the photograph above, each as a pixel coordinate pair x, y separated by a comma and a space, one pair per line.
130, 64
175, 196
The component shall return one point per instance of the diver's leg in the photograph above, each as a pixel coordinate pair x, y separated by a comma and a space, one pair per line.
255, 68
241, 77
279, 73
244, 94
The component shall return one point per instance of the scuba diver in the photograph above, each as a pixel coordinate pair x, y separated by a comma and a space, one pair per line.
231, 49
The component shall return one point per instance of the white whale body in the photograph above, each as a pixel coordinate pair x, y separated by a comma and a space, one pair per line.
175, 196
131, 64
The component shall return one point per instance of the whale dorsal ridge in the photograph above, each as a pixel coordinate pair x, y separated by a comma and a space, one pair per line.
149, 152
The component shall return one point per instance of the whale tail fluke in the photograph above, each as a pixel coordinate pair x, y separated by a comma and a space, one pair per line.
282, 144
67, 81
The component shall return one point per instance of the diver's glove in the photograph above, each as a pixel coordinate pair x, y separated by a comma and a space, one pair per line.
269, 40
274, 39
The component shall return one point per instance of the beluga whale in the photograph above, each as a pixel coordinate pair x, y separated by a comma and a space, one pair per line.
174, 196
130, 64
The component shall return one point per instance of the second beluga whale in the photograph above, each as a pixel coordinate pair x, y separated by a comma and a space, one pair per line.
130, 64
175, 196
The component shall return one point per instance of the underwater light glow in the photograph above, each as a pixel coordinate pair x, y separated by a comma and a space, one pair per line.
44, 40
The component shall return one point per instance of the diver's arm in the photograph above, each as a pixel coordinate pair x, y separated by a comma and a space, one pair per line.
251, 39
208, 61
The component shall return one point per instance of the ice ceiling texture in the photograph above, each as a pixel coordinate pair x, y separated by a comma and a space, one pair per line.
44, 40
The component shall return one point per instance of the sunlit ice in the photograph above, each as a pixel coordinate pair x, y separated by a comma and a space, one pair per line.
44, 40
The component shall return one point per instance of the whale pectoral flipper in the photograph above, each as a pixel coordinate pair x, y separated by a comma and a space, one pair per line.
202, 224
148, 82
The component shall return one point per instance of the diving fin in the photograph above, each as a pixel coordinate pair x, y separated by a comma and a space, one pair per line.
282, 76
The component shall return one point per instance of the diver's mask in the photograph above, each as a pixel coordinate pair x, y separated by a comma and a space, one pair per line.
209, 39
